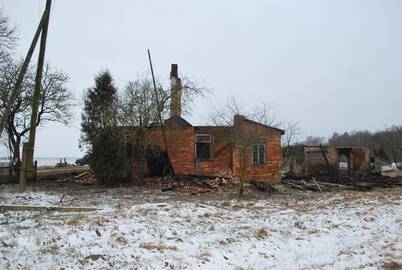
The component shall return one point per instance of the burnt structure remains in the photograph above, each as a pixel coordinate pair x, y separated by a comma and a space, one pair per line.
325, 160
207, 150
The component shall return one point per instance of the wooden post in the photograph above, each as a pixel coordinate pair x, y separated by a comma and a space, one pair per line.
327, 163
10, 172
35, 170
37, 92
315, 182
22, 72
160, 115
23, 170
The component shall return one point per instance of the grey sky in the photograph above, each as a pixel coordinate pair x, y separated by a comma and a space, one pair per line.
330, 65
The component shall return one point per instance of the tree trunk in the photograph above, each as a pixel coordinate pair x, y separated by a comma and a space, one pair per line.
22, 178
242, 171
16, 157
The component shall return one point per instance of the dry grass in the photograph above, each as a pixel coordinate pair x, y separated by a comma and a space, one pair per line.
120, 205
95, 257
100, 221
261, 234
158, 246
392, 265
146, 211
54, 250
204, 256
225, 204
74, 222
205, 215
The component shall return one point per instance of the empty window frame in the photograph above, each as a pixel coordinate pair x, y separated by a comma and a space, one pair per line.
203, 146
258, 154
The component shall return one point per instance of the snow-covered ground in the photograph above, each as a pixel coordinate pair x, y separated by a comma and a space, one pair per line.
347, 230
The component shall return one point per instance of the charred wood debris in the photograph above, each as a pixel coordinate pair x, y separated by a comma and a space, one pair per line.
362, 182
193, 185
189, 184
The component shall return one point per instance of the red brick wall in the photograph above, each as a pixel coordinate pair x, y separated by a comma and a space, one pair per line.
271, 170
221, 150
250, 133
315, 162
180, 147
361, 159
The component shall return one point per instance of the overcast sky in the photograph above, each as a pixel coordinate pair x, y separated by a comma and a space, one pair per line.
330, 65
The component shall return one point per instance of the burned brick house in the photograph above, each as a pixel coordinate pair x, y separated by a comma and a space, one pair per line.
322, 160
207, 150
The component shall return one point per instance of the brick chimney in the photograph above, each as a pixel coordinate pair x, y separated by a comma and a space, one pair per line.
238, 119
175, 88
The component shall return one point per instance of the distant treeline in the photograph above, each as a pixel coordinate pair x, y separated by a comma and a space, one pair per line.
385, 144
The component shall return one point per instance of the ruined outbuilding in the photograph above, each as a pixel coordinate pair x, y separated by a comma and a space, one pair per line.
208, 150
324, 160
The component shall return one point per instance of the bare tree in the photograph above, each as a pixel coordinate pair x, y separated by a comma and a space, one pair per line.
138, 108
240, 137
292, 132
138, 111
7, 37
55, 104
137, 103
261, 112
191, 90
385, 144
390, 141
314, 141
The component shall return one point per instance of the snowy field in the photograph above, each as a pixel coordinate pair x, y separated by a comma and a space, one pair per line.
347, 230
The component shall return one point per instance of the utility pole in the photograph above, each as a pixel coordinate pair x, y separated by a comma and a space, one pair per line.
160, 115
26, 170
22, 72
37, 92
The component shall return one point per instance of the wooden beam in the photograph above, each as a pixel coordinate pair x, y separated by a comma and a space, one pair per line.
160, 115
45, 208
37, 92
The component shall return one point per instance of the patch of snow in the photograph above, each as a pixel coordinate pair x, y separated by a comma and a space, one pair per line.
335, 231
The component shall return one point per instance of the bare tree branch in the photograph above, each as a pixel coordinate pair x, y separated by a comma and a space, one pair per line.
55, 105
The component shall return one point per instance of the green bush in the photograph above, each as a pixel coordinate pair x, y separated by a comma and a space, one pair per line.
108, 157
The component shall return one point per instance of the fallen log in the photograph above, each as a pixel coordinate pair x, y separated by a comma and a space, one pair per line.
53, 173
45, 208
315, 186
81, 175
332, 185
286, 182
358, 183
5, 244
168, 189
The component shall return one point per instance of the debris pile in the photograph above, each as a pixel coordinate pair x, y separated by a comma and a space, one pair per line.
356, 182
188, 184
86, 178
262, 186
191, 185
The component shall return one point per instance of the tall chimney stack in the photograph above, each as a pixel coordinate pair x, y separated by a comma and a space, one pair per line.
175, 88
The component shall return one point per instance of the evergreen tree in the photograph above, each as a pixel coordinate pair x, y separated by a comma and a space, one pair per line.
100, 133
99, 108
